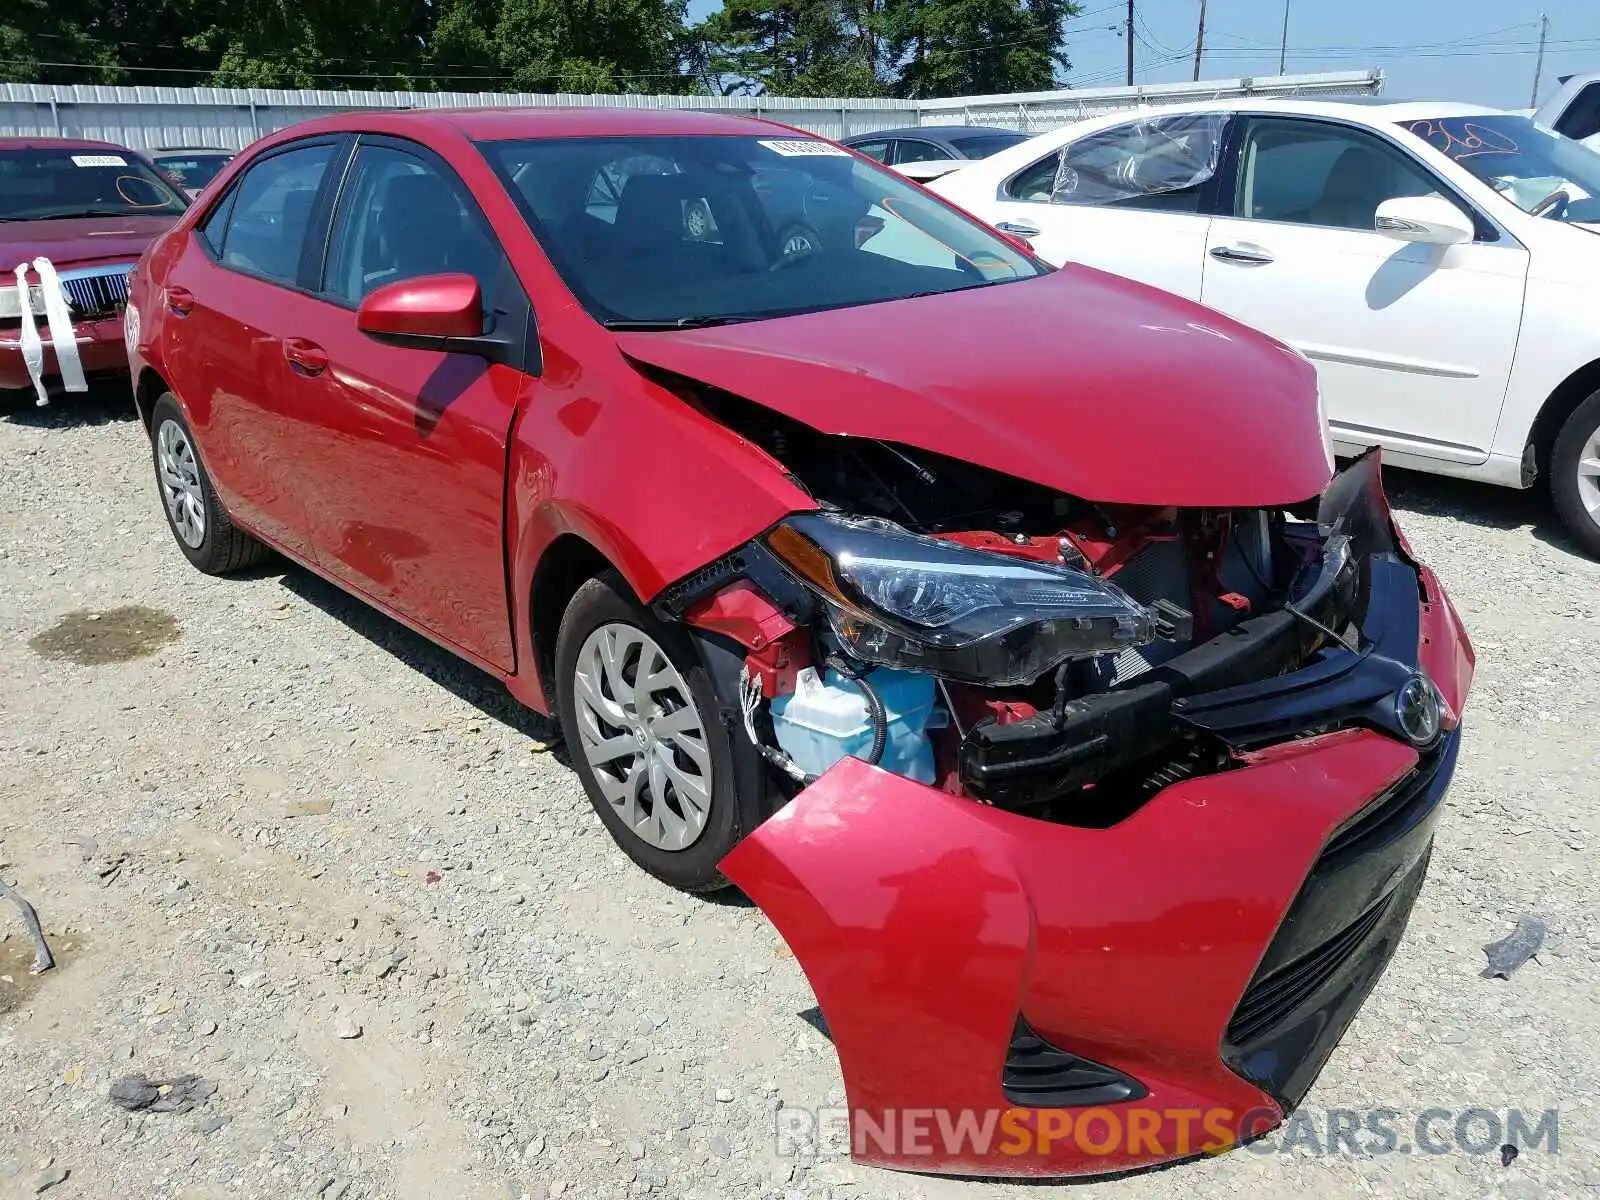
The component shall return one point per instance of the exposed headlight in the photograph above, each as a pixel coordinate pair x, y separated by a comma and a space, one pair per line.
10, 309
925, 604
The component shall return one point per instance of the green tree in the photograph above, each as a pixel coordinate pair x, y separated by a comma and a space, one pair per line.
793, 47
590, 45
315, 43
70, 41
974, 47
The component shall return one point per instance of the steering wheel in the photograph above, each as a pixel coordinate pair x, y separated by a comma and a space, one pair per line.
1553, 206
796, 244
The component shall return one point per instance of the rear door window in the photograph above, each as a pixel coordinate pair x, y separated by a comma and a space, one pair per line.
1161, 163
271, 213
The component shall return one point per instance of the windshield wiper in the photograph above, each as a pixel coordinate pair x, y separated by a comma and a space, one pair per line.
623, 325
75, 214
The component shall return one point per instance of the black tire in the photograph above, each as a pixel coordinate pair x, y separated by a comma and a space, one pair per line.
1581, 431
224, 547
739, 792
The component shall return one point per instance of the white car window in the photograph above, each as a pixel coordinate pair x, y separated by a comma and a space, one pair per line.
1311, 173
1152, 163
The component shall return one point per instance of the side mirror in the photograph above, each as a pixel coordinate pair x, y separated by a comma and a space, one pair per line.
429, 312
1430, 219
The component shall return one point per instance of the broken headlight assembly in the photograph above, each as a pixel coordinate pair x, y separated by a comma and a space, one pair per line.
899, 599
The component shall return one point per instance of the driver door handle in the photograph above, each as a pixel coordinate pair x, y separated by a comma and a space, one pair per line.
1018, 229
306, 357
1252, 255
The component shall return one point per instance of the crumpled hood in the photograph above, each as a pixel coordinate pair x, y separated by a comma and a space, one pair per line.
1080, 381
80, 241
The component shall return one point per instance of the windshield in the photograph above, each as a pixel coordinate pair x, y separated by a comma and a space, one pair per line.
1533, 167
46, 184
982, 145
193, 171
656, 232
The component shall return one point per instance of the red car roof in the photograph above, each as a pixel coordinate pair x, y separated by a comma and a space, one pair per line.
504, 124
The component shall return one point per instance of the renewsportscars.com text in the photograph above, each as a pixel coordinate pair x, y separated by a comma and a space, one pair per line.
1135, 1130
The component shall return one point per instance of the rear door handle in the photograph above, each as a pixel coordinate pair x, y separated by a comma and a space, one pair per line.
179, 300
306, 357
1018, 229
1251, 256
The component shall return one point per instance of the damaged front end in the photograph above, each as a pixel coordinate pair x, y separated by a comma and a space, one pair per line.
1092, 810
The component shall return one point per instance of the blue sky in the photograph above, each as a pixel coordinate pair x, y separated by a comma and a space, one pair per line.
1430, 49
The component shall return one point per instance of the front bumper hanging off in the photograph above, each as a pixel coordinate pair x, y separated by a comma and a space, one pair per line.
1012, 996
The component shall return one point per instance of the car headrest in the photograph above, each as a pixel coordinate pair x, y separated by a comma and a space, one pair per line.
1356, 174
651, 207
419, 206
296, 211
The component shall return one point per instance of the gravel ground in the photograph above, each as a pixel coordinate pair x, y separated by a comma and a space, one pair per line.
284, 844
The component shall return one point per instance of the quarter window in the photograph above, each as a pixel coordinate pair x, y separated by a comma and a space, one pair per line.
266, 223
402, 218
1161, 163
1309, 173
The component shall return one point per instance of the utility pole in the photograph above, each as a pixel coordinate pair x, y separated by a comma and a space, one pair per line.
1130, 43
1538, 64
1200, 41
1283, 46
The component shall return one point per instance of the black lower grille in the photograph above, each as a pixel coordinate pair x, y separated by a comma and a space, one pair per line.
1269, 1000
98, 294
1338, 934
1039, 1075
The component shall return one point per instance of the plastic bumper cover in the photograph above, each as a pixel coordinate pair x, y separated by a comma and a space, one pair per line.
1209, 950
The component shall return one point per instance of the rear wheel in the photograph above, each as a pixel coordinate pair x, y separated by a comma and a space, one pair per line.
201, 526
1575, 474
649, 740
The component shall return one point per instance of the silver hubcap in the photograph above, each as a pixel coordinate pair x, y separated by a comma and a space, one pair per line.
180, 483
1589, 476
643, 737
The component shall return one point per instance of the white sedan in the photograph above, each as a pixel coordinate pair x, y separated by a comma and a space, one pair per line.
1440, 263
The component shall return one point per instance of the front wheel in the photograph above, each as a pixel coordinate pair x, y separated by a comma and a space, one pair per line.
201, 526
1575, 474
641, 718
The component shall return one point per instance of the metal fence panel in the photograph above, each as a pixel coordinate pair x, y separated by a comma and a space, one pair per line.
148, 117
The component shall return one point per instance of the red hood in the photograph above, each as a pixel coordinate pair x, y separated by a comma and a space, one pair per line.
73, 243
1080, 381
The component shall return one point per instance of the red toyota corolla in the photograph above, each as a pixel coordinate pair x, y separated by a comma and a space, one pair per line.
1002, 631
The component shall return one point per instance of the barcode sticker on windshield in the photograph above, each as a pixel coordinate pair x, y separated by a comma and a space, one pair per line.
801, 146
99, 160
